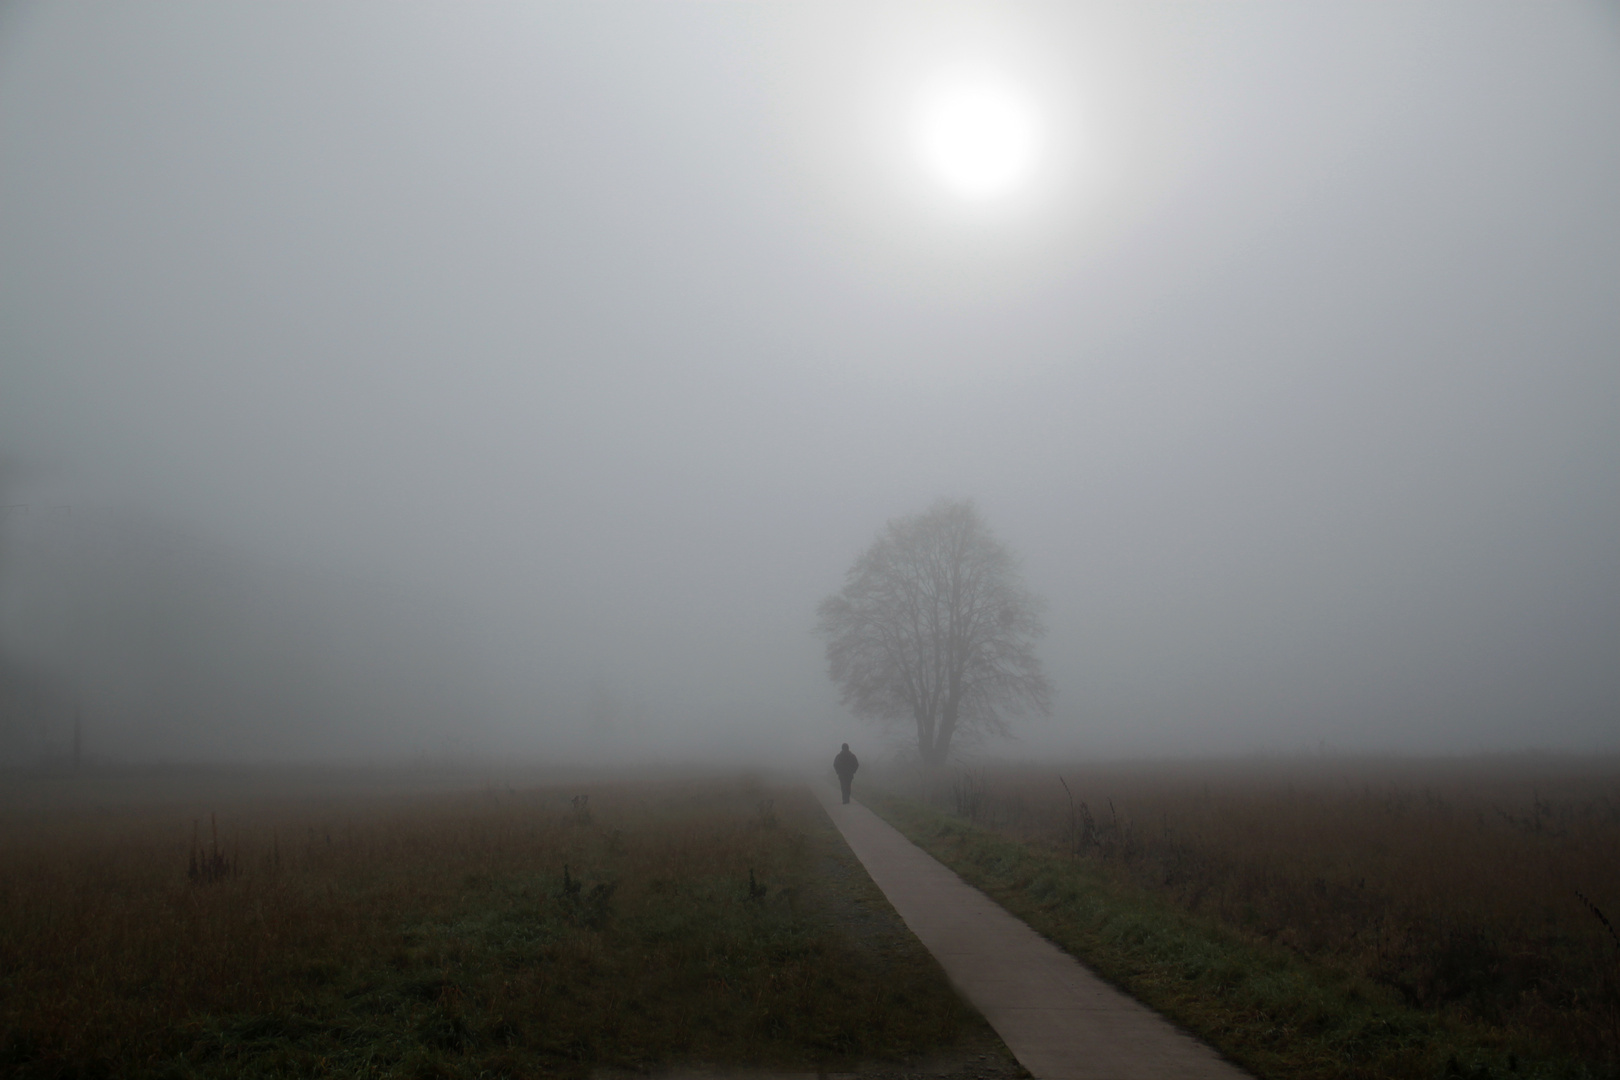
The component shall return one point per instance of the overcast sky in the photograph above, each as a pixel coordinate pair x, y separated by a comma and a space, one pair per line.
524, 375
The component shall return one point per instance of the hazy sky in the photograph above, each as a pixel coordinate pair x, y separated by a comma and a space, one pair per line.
527, 373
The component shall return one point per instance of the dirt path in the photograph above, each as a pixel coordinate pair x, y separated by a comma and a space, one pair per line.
1059, 1020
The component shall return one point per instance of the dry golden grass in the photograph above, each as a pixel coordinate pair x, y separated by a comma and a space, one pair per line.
1469, 887
496, 931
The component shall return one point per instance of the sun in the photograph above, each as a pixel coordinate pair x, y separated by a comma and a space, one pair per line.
978, 138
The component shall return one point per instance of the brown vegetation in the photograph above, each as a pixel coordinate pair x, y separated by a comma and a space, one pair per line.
498, 931
1483, 888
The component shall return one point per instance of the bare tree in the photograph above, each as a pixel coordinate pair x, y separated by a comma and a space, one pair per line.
934, 626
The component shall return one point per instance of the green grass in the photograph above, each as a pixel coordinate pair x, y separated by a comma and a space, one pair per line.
717, 923
1261, 1004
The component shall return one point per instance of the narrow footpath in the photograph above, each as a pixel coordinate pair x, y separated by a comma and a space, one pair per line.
1060, 1021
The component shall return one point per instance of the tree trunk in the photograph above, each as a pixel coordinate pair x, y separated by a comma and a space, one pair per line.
942, 736
925, 736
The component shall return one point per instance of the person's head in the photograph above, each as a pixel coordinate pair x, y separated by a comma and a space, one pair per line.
846, 746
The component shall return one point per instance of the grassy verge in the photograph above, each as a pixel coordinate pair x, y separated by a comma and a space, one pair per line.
1259, 1003
486, 933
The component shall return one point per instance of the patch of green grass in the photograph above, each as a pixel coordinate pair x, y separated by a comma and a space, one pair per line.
1262, 1005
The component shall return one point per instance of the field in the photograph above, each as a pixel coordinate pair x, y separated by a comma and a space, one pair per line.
253, 925
1317, 919
1436, 918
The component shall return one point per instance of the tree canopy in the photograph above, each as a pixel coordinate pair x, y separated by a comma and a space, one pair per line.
934, 626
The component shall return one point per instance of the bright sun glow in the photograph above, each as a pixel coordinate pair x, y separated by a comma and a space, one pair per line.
979, 139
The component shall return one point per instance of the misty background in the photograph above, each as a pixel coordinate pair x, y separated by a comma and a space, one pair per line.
425, 381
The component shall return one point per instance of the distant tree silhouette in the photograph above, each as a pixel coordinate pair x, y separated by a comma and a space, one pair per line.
934, 626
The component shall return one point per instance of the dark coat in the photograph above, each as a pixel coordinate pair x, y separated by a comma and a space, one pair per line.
845, 763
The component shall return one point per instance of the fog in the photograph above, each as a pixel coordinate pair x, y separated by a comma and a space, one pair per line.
398, 381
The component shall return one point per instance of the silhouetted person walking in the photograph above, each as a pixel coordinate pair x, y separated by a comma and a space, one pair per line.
845, 765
